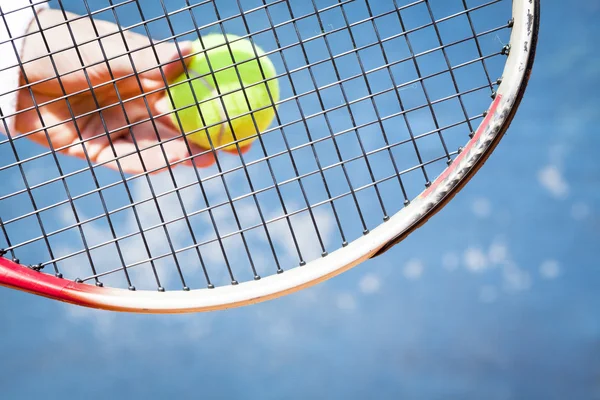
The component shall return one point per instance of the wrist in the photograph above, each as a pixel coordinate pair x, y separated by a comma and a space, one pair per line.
18, 16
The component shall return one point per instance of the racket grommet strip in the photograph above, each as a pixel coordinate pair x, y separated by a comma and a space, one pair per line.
37, 267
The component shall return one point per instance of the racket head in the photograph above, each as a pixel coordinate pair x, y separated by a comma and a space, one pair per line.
461, 166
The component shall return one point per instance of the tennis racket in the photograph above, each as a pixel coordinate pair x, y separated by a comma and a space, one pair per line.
387, 109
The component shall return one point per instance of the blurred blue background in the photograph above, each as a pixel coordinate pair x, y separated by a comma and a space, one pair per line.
497, 297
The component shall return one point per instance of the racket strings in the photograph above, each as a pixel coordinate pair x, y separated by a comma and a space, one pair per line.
282, 48
222, 249
147, 247
363, 193
113, 7
342, 81
137, 219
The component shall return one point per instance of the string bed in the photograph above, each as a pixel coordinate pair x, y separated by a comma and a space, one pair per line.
377, 99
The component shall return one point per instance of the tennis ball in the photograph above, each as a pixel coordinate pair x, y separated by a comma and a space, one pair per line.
225, 112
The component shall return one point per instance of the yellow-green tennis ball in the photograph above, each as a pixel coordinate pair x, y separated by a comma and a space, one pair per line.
225, 111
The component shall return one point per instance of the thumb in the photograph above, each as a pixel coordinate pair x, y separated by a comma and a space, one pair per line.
172, 59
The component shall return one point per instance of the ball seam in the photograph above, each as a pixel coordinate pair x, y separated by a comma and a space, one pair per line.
214, 93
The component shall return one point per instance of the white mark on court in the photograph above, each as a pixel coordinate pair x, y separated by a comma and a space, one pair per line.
580, 211
550, 269
482, 207
281, 329
408, 87
324, 29
346, 302
498, 252
551, 178
516, 279
488, 294
498, 39
450, 261
369, 284
475, 259
413, 269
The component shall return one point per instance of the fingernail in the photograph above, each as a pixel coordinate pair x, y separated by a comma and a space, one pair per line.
163, 105
185, 47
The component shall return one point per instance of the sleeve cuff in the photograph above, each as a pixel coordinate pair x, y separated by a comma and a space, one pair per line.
13, 24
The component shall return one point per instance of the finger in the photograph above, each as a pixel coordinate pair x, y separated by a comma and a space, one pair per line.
167, 61
134, 158
201, 157
176, 146
95, 134
180, 148
161, 105
156, 148
176, 59
123, 155
150, 67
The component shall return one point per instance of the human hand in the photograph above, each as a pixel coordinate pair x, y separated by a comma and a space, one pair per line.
118, 96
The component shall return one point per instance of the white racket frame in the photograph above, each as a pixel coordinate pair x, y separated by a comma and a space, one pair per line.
510, 92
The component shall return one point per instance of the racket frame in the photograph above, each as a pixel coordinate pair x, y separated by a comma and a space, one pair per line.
520, 60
